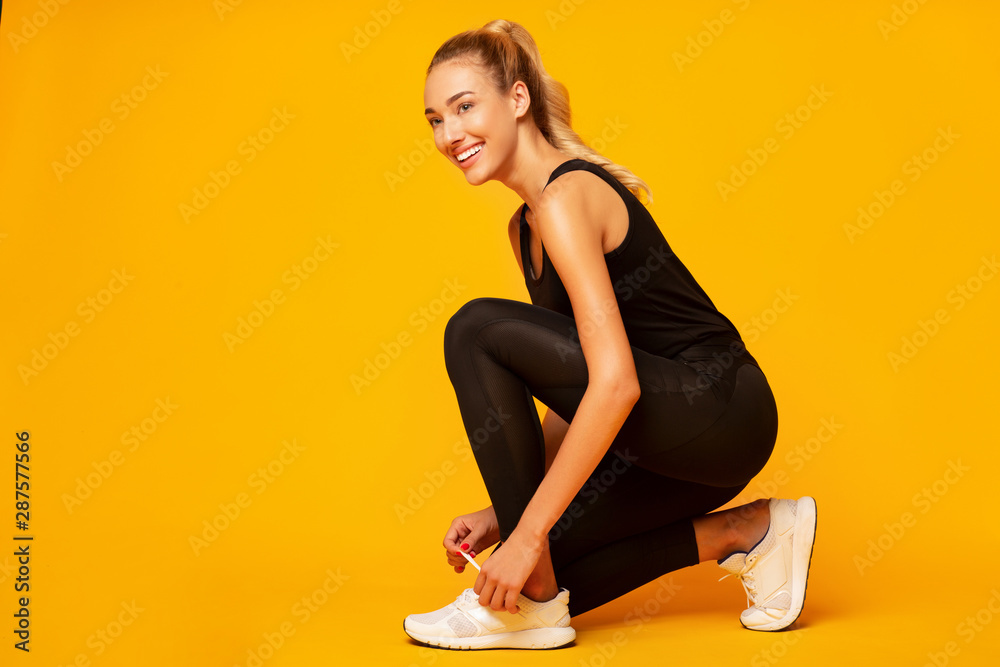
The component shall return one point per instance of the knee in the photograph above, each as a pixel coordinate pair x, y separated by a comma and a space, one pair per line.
466, 322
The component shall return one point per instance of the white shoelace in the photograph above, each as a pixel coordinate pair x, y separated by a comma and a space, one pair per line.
468, 595
746, 578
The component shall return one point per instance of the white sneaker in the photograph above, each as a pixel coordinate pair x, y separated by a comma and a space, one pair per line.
775, 570
466, 624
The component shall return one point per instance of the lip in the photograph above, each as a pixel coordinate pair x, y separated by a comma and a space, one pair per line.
472, 159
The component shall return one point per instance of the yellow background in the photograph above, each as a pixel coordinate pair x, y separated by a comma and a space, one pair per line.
351, 164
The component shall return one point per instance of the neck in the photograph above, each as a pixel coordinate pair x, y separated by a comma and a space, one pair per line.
533, 163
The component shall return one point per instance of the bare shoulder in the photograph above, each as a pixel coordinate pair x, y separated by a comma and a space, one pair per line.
586, 198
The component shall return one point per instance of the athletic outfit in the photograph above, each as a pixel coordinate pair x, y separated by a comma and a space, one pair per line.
705, 424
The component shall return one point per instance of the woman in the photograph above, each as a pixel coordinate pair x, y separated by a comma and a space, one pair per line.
657, 412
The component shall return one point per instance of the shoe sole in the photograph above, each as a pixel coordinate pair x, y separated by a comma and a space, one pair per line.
805, 534
538, 638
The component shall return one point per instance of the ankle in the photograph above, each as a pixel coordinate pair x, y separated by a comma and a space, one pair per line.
749, 524
540, 593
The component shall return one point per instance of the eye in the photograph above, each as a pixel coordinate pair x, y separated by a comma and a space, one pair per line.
460, 107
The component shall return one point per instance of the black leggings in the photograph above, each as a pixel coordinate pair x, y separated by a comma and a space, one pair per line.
705, 424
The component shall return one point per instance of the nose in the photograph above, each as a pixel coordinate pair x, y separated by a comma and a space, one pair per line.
452, 136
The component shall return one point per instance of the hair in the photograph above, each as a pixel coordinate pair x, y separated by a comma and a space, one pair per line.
507, 53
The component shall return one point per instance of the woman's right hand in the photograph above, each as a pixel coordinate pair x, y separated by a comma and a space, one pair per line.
477, 531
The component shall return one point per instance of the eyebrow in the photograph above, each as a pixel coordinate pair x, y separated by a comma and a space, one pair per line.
450, 100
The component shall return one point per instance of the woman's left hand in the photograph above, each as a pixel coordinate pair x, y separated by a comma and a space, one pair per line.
503, 574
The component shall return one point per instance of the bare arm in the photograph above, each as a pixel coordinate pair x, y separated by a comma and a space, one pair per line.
572, 233
553, 426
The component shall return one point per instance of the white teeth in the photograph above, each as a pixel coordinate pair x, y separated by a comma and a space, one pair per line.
462, 157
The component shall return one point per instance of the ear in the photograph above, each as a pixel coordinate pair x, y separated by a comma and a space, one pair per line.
521, 98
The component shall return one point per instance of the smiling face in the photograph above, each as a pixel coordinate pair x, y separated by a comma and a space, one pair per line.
464, 111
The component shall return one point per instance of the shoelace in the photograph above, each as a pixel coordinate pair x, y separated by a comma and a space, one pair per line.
468, 595
747, 579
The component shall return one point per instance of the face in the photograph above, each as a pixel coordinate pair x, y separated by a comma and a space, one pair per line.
466, 112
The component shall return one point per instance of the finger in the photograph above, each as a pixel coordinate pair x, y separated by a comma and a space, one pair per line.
498, 602
511, 599
456, 561
451, 538
485, 590
472, 539
457, 557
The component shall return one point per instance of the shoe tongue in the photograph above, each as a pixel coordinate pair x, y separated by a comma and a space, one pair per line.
734, 562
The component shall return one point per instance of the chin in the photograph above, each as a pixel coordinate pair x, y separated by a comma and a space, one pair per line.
475, 179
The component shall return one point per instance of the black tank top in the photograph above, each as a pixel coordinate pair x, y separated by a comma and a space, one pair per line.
664, 310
